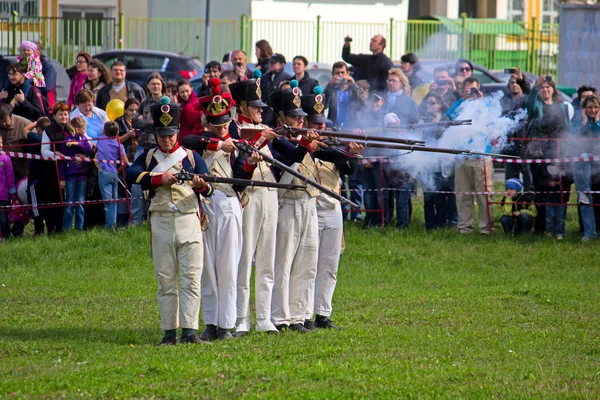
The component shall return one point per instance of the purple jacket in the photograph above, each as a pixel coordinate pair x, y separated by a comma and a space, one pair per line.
7, 178
70, 170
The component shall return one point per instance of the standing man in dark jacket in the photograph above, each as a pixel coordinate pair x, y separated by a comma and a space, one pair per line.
269, 83
374, 68
119, 88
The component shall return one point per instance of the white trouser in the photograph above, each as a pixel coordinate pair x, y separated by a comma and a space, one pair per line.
295, 259
222, 250
331, 232
177, 247
260, 228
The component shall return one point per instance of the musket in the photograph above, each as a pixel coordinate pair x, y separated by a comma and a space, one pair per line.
442, 124
188, 176
246, 148
250, 132
367, 144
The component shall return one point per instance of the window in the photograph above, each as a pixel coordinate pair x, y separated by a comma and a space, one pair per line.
25, 8
482, 77
108, 60
515, 10
137, 62
550, 11
88, 28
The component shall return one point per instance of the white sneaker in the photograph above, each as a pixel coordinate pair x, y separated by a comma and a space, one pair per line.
583, 199
265, 325
243, 325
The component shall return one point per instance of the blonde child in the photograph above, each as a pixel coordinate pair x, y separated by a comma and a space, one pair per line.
72, 174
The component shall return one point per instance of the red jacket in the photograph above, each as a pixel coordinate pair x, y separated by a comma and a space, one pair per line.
190, 122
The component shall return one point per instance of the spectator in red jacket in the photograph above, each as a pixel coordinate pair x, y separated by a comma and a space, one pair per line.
189, 119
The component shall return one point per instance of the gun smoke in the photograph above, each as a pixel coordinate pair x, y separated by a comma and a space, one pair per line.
488, 133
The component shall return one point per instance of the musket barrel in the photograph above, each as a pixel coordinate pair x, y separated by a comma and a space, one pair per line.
394, 146
355, 136
241, 182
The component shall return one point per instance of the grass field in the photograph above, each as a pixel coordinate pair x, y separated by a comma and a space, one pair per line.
425, 316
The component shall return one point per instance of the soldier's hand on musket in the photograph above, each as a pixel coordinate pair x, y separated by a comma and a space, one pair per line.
315, 145
198, 182
167, 179
228, 146
255, 158
358, 131
270, 134
355, 148
310, 135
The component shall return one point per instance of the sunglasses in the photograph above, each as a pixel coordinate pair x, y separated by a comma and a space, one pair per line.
464, 69
432, 103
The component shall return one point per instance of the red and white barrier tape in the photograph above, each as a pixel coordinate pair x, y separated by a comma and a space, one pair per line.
17, 154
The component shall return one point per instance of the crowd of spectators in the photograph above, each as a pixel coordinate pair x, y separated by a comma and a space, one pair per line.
364, 91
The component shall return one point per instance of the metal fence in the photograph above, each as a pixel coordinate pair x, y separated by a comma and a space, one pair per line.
182, 35
61, 38
494, 44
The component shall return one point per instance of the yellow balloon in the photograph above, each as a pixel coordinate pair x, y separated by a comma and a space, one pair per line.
115, 109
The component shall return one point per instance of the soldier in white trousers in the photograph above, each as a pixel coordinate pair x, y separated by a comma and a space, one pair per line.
329, 216
223, 238
174, 224
259, 214
297, 227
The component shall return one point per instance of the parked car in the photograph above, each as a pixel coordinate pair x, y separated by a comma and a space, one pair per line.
62, 78
141, 63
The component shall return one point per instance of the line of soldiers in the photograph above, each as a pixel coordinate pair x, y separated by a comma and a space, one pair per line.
293, 237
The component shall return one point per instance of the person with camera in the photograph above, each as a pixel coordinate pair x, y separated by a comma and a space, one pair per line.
374, 67
548, 119
239, 60
472, 174
212, 70
443, 85
342, 97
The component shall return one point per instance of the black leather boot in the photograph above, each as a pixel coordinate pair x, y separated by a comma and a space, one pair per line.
224, 334
325, 323
209, 334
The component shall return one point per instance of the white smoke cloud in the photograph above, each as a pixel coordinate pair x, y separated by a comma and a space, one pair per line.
487, 133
